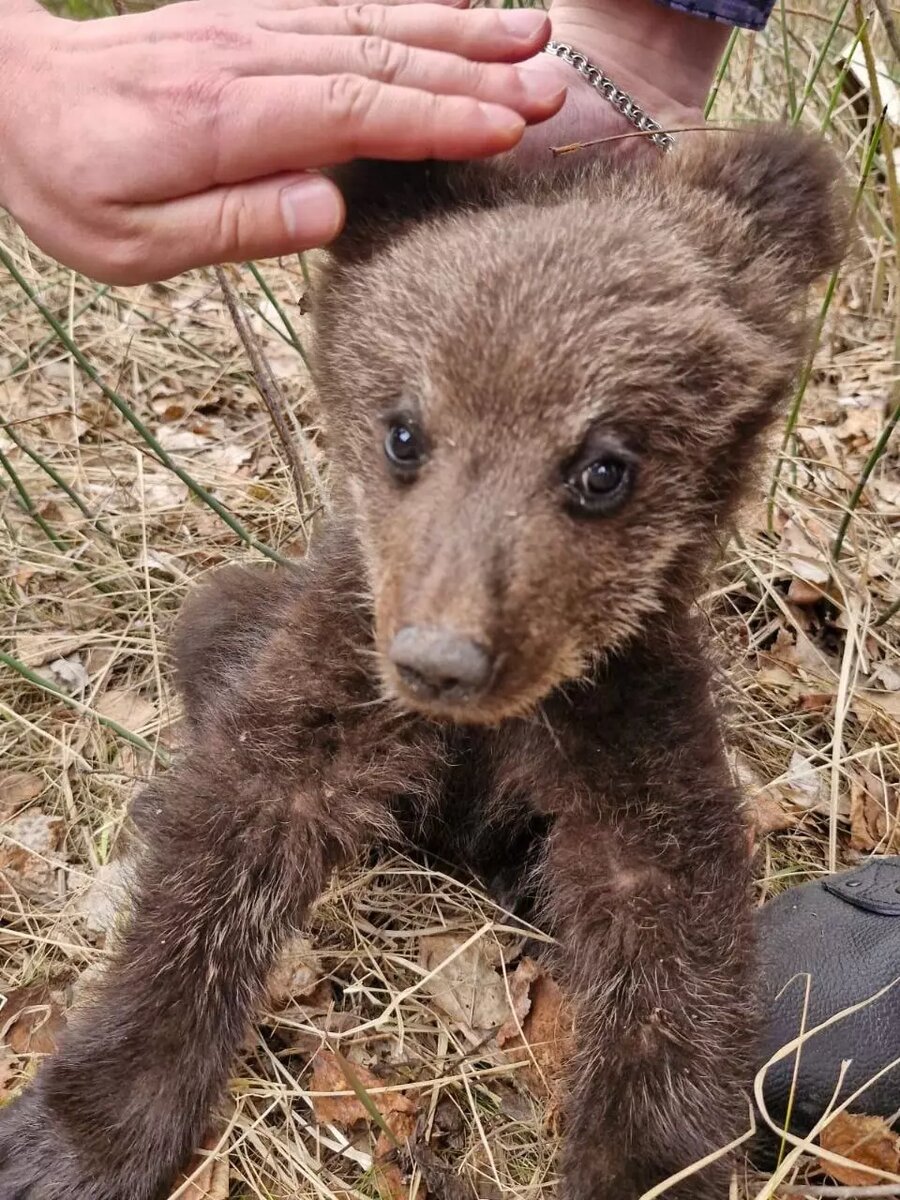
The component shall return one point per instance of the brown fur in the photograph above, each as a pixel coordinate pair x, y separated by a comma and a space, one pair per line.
523, 324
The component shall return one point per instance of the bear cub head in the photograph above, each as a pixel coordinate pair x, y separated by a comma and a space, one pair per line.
542, 396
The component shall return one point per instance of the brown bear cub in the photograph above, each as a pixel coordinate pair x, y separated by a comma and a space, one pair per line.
542, 396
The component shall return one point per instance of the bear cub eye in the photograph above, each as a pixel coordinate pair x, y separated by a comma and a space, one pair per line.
603, 485
404, 447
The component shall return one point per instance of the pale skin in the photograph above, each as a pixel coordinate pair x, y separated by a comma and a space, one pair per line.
137, 147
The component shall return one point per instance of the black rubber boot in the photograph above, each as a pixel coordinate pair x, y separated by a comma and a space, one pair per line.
844, 932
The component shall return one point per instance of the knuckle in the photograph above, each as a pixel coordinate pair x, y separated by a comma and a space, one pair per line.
234, 221
201, 93
348, 97
364, 18
382, 59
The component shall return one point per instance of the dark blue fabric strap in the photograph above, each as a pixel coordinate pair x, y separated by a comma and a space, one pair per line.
751, 14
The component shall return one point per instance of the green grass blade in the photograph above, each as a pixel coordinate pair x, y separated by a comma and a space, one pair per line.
137, 424
46, 685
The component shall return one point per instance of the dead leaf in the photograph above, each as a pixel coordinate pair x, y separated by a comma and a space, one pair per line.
765, 810
802, 593
866, 1140
520, 985
128, 707
28, 845
769, 814
873, 811
806, 560
16, 789
547, 1027
467, 988
160, 495
297, 977
806, 785
70, 674
799, 655
887, 675
35, 649
330, 1075
31, 1020
867, 702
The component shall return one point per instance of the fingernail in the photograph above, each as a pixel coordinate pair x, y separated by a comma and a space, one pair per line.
504, 120
522, 23
311, 209
541, 89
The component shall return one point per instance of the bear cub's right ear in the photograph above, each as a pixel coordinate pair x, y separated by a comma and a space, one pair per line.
384, 199
789, 185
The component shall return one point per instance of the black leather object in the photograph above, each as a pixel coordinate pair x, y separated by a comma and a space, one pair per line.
845, 932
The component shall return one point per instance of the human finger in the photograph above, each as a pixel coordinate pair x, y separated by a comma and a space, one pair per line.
266, 125
533, 94
261, 219
485, 35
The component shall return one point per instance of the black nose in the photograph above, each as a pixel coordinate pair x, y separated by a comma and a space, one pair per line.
438, 664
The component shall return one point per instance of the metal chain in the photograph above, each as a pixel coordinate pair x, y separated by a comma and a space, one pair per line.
625, 104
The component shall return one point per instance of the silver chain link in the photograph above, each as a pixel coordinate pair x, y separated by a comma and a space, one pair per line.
625, 104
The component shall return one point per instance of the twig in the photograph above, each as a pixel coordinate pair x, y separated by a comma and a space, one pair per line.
265, 384
571, 147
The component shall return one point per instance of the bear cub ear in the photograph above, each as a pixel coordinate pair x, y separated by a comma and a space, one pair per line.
788, 184
383, 199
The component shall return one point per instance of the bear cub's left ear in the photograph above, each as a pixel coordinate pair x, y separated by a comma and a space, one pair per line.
789, 185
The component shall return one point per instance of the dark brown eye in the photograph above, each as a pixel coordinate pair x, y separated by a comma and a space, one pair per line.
602, 485
404, 447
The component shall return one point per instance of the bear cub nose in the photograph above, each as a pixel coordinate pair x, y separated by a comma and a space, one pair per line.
438, 664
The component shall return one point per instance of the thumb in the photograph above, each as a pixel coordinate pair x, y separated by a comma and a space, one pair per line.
280, 214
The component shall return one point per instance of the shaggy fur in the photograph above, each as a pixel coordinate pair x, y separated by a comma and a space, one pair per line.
526, 328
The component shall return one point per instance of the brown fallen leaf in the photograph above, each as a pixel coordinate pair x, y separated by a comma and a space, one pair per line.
869, 702
331, 1075
547, 1028
17, 788
31, 1020
766, 810
397, 1111
393, 1181
769, 814
869, 1141
520, 984
468, 988
127, 707
28, 848
873, 811
807, 561
37, 648
797, 653
297, 978
803, 593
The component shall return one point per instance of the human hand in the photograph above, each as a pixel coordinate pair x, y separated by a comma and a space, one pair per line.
664, 58
136, 147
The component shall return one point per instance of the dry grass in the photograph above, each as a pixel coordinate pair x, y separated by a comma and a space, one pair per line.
91, 579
